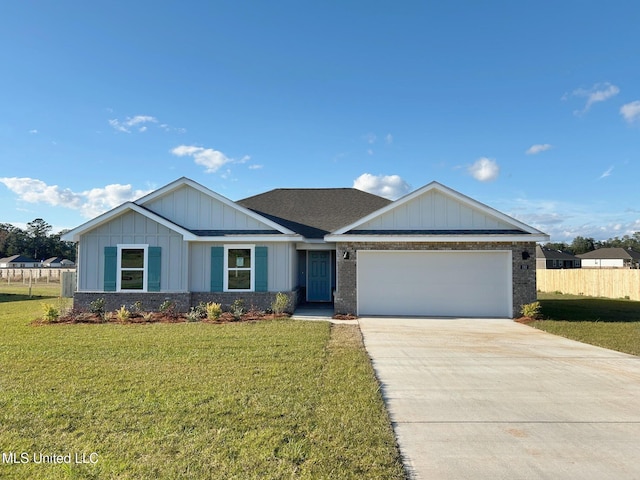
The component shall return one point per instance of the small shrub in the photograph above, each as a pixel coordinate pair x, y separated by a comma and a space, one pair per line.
531, 310
147, 316
168, 308
193, 315
136, 307
50, 312
201, 309
97, 308
237, 308
214, 310
280, 304
123, 314
166, 305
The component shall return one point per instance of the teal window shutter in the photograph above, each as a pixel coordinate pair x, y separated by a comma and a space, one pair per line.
261, 269
110, 268
153, 270
217, 269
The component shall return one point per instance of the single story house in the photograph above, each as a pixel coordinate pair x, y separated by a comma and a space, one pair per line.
18, 261
433, 252
617, 257
548, 258
57, 262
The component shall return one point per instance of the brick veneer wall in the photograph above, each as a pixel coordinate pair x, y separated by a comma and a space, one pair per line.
151, 301
523, 270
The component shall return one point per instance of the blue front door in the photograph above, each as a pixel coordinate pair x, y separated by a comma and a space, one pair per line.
318, 276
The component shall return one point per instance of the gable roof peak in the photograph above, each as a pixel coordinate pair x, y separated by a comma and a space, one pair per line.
509, 222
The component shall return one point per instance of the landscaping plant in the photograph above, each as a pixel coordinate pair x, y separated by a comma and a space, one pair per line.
531, 310
213, 310
280, 304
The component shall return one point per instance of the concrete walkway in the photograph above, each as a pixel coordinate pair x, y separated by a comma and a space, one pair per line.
494, 399
317, 312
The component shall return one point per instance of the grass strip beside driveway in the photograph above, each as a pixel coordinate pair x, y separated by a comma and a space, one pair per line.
608, 323
273, 399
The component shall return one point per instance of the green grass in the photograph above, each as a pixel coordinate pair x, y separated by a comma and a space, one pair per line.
273, 399
609, 323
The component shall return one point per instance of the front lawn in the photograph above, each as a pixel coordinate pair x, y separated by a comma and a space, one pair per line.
609, 323
270, 399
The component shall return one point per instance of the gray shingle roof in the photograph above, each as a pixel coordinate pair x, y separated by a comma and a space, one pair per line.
18, 259
551, 254
616, 252
314, 212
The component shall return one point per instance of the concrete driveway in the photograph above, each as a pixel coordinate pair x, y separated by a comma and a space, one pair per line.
494, 399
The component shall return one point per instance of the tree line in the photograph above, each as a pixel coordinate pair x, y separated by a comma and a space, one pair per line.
36, 242
587, 244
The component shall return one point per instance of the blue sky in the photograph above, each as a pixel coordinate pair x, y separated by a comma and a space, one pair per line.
530, 107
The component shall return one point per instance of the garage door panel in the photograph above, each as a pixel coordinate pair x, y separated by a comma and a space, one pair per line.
443, 283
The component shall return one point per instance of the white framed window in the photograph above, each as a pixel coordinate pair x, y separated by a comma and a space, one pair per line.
132, 264
239, 268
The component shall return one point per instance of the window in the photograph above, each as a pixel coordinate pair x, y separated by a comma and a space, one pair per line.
239, 268
132, 267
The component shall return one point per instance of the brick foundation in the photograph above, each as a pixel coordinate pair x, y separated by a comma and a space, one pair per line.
151, 301
523, 269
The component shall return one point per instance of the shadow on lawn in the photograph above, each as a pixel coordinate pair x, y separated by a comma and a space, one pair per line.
20, 297
590, 310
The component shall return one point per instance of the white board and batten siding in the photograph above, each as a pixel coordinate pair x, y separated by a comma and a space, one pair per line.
434, 210
194, 210
281, 259
446, 283
131, 228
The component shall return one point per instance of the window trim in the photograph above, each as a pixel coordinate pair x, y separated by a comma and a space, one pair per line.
144, 269
252, 270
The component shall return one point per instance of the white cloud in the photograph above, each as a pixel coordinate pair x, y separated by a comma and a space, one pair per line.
209, 158
90, 202
484, 170
388, 139
370, 138
537, 148
598, 93
607, 173
631, 111
255, 167
132, 122
388, 186
564, 221
33, 131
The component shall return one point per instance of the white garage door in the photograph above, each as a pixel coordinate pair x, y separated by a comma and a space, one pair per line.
435, 283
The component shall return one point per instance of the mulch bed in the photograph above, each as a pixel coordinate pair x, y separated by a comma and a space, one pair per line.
156, 317
525, 320
348, 316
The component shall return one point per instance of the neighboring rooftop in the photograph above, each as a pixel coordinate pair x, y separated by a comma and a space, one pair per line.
551, 254
314, 212
610, 253
17, 259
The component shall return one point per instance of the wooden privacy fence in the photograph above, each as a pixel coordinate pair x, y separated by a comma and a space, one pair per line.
594, 282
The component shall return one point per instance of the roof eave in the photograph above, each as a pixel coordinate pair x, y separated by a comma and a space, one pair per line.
452, 193
437, 238
221, 198
74, 235
249, 238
